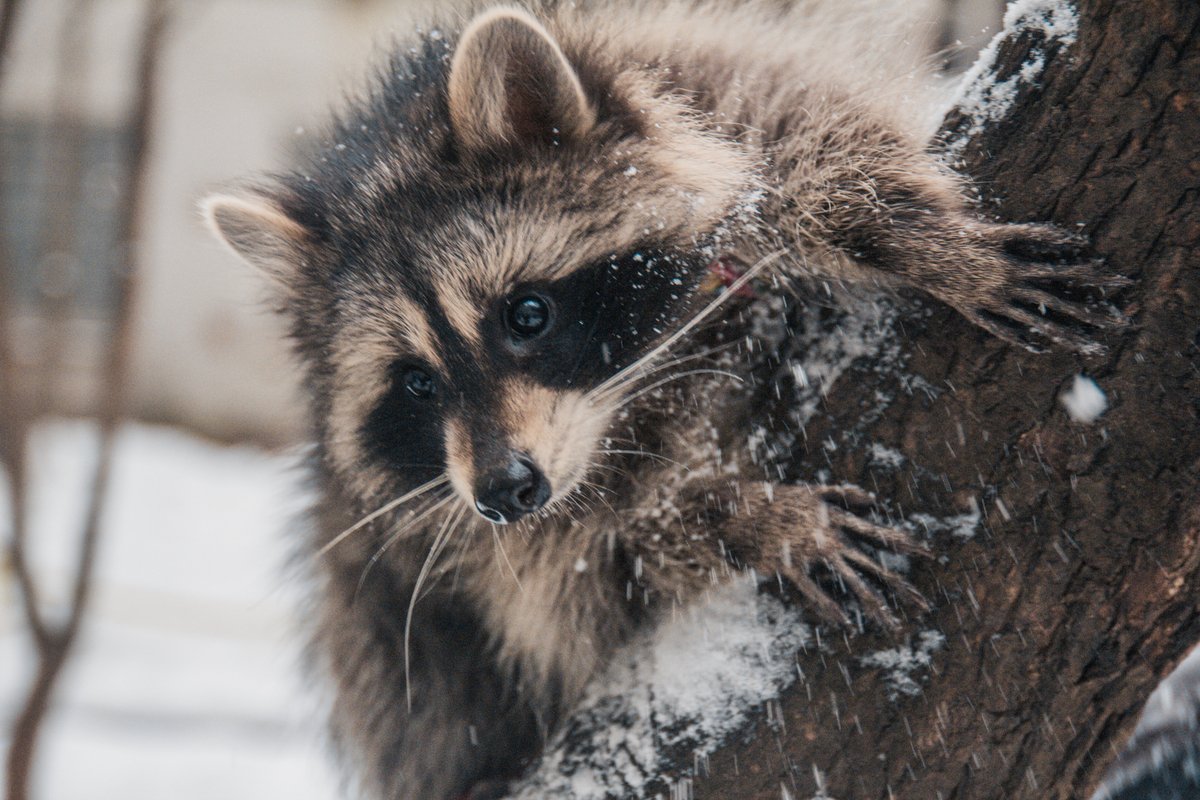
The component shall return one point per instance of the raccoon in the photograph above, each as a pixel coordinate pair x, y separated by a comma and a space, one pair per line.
516, 276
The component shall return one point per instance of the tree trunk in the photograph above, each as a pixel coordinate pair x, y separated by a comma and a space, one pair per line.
1079, 593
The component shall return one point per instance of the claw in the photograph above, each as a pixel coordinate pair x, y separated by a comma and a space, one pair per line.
1044, 266
827, 607
875, 606
1083, 275
892, 538
848, 494
1002, 333
893, 581
1036, 242
1055, 332
1077, 311
835, 539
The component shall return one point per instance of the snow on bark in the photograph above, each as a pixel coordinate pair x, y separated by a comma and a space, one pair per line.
681, 689
1162, 760
903, 666
986, 93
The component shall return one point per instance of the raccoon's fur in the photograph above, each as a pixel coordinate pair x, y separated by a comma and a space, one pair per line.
503, 274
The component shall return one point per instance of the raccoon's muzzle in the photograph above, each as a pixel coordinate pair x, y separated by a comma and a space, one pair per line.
507, 494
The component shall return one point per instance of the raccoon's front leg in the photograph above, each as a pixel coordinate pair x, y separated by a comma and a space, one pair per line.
887, 205
1028, 284
794, 531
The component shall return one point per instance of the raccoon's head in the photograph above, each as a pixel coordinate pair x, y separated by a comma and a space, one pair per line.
480, 249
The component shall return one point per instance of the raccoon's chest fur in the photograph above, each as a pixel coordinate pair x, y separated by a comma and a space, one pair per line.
554, 603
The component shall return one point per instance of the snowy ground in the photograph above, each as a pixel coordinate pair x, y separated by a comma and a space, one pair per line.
184, 684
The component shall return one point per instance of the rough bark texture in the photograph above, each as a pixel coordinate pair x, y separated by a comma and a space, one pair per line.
1079, 593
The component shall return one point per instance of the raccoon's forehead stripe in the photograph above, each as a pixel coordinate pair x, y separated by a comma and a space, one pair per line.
455, 347
415, 328
462, 314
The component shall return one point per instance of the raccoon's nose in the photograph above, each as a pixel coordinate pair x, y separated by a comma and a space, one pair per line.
506, 495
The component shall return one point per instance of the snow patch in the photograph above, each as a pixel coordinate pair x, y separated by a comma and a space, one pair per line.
885, 457
960, 526
984, 95
902, 663
682, 687
1084, 401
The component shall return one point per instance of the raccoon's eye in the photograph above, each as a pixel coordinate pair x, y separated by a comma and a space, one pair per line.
528, 316
418, 382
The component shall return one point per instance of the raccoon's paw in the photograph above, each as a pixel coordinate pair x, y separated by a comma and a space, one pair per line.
1041, 290
826, 530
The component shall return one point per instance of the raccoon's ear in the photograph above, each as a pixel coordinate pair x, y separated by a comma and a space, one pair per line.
510, 84
261, 232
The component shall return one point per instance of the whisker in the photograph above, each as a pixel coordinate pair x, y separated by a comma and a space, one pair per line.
624, 473
434, 551
463, 554
456, 518
377, 513
504, 555
598, 490
647, 453
700, 316
568, 505
395, 537
663, 381
674, 362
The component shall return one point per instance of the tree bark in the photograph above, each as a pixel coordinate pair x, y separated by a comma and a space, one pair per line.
1080, 592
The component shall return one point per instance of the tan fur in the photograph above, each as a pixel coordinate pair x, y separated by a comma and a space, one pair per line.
559, 640
546, 243
463, 314
460, 459
391, 327
560, 429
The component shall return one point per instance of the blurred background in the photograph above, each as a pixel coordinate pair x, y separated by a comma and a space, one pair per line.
150, 427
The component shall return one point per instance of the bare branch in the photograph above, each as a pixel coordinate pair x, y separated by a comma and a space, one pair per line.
14, 421
112, 400
57, 643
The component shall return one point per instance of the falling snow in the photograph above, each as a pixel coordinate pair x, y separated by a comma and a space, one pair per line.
816, 353
700, 677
